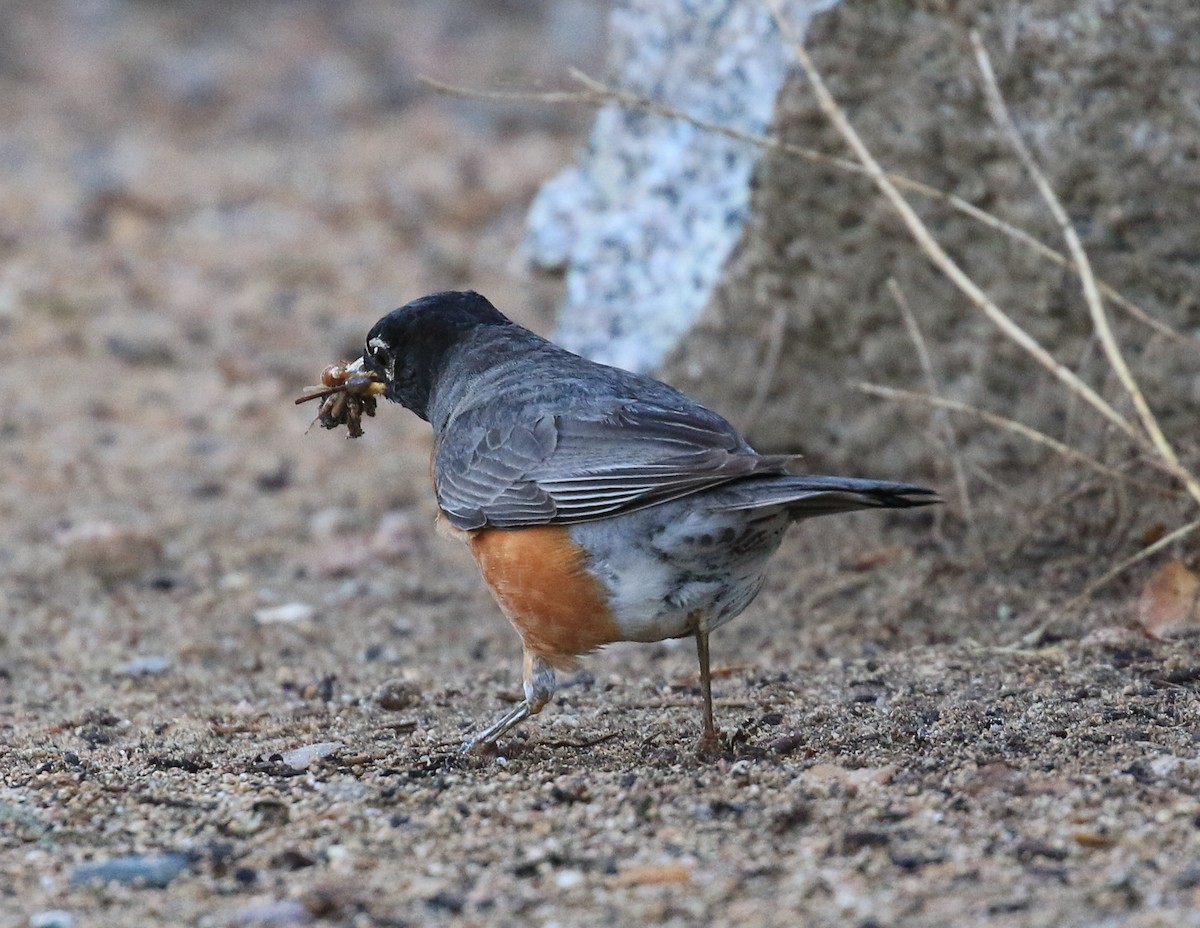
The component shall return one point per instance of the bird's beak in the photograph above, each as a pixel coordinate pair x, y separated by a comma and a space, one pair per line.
364, 368
362, 382
365, 385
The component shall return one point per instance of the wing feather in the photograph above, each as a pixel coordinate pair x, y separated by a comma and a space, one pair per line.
576, 467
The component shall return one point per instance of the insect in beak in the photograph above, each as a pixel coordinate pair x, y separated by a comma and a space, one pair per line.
347, 393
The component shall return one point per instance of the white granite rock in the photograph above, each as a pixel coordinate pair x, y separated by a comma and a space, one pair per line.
642, 225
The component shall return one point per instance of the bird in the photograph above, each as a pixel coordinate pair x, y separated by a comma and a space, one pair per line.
600, 505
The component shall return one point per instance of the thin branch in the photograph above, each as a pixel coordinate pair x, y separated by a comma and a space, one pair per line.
933, 250
597, 94
770, 364
516, 96
1149, 551
1011, 425
949, 436
1031, 522
994, 482
1090, 291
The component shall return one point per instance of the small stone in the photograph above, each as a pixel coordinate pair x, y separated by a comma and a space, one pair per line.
568, 879
275, 478
397, 695
380, 654
300, 758
786, 744
234, 581
142, 349
335, 558
1096, 840
284, 614
111, 552
264, 814
272, 913
150, 870
851, 779
53, 918
149, 665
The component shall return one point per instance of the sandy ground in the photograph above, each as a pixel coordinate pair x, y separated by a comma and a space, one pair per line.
236, 660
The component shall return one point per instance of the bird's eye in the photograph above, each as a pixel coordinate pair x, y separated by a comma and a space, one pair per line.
379, 353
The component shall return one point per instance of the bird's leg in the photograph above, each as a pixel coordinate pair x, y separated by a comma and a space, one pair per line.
710, 742
539, 687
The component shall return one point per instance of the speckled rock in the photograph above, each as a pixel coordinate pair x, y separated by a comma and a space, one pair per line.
1105, 94
643, 224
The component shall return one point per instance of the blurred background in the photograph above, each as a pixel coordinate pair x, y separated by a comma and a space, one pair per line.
203, 203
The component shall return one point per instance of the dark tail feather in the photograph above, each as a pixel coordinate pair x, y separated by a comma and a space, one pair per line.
808, 496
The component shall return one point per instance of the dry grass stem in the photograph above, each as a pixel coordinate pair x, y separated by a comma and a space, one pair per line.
596, 94
949, 438
1149, 551
934, 251
1032, 522
770, 364
993, 482
1091, 292
1017, 428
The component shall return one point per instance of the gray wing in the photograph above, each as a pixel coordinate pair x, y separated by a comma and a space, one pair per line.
573, 468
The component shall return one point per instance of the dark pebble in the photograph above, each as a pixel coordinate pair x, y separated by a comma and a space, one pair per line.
150, 870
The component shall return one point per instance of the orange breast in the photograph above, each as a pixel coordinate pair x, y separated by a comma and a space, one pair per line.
539, 578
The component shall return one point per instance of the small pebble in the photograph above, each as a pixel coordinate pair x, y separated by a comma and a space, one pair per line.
234, 581
397, 695
284, 614
111, 552
380, 653
141, 350
272, 913
54, 918
151, 870
147, 666
300, 758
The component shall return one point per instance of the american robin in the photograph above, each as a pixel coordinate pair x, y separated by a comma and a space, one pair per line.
600, 505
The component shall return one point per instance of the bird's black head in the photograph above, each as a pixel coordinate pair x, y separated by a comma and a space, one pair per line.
409, 345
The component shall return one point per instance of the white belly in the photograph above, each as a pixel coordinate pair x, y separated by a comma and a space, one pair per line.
672, 569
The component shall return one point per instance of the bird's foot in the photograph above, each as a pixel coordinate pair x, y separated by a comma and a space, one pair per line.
539, 687
485, 741
710, 747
